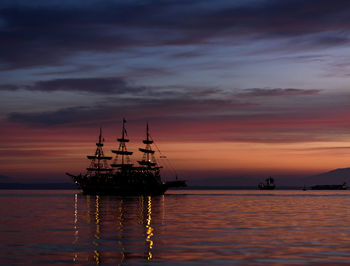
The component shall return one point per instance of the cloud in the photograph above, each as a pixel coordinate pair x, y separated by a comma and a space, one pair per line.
276, 92
154, 102
65, 116
16, 153
201, 117
136, 108
95, 85
48, 33
4, 178
230, 110
8, 87
92, 85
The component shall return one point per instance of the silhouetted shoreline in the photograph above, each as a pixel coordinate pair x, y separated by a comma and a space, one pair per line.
63, 186
41, 186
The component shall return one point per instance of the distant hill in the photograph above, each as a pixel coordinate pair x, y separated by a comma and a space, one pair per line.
337, 176
7, 182
5, 179
45, 186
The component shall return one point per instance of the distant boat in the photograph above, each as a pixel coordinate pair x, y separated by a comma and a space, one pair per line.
122, 177
268, 185
330, 187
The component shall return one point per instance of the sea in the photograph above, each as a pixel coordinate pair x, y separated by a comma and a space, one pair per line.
183, 227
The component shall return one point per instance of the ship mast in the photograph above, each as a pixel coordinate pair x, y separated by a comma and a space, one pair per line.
99, 162
148, 159
125, 161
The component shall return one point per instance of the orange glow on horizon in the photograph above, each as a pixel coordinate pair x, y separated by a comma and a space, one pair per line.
220, 157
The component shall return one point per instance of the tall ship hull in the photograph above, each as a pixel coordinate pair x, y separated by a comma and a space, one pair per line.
108, 186
121, 177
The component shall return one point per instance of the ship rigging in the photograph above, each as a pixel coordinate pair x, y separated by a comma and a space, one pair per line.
121, 177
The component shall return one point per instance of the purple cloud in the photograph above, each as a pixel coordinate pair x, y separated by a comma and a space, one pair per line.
47, 34
276, 92
92, 85
97, 85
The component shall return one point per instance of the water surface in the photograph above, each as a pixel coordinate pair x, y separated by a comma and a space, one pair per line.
184, 227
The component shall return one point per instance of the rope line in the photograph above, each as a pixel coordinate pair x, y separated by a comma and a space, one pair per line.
165, 157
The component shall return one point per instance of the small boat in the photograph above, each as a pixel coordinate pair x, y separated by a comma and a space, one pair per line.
330, 187
268, 185
121, 177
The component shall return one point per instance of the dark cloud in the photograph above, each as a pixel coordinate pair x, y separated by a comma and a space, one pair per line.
152, 102
202, 117
74, 116
47, 34
139, 108
148, 71
276, 92
29, 153
92, 85
97, 85
8, 87
188, 54
3, 178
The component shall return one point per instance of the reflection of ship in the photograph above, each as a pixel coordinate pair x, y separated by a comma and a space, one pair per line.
330, 187
116, 230
124, 178
269, 184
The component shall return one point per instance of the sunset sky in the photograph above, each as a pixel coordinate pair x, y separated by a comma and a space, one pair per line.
245, 88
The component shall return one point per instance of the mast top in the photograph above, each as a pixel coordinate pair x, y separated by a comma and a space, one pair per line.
124, 133
100, 139
147, 132
122, 150
98, 160
124, 130
148, 139
148, 159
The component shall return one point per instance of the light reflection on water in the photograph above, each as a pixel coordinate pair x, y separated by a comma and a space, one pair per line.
119, 229
181, 228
